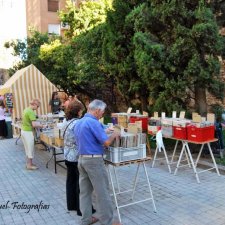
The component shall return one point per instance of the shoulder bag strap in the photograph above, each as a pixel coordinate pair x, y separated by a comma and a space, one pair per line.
68, 126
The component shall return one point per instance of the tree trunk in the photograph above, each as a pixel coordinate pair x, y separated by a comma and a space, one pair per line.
144, 102
200, 100
144, 99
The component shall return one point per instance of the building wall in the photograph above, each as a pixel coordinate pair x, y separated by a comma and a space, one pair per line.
33, 14
39, 17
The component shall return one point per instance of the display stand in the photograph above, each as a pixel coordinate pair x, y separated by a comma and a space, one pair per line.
186, 148
55, 152
148, 146
138, 162
18, 127
160, 145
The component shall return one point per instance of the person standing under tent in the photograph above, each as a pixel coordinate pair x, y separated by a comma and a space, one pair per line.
28, 124
3, 128
54, 105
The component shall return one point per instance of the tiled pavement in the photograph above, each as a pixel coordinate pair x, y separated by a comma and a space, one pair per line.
179, 199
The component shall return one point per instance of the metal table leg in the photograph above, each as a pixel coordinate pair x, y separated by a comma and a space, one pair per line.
149, 186
50, 158
17, 139
135, 181
114, 193
213, 159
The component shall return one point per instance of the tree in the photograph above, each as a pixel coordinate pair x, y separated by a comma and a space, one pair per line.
118, 54
177, 44
90, 14
28, 50
83, 71
218, 7
74, 64
158, 54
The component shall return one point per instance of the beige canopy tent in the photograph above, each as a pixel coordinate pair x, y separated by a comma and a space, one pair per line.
25, 85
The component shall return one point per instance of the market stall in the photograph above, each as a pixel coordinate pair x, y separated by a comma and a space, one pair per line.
198, 131
25, 85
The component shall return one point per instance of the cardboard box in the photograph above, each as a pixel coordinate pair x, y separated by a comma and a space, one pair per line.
196, 118
59, 142
132, 128
182, 115
211, 117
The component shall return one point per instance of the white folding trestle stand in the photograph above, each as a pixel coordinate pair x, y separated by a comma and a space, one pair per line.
139, 162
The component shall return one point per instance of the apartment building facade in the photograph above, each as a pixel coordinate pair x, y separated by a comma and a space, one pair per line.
42, 15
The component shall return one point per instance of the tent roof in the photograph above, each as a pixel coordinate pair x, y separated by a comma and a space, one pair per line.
6, 87
25, 85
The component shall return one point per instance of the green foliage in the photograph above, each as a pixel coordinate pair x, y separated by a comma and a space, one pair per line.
176, 48
84, 71
28, 50
218, 110
118, 55
74, 65
218, 7
89, 15
155, 54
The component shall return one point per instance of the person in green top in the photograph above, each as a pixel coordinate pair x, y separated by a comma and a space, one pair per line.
28, 123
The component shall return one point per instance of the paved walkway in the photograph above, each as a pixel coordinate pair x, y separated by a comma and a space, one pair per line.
179, 199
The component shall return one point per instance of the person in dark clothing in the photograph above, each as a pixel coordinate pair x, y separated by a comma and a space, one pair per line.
54, 103
219, 132
73, 113
3, 128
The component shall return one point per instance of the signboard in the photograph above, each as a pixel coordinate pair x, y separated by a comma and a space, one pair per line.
9, 100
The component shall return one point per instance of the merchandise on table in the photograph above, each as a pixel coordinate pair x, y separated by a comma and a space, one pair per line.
154, 124
198, 129
53, 134
127, 147
47, 137
142, 118
167, 127
128, 140
122, 119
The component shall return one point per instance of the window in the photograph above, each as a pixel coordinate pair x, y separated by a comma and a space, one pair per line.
54, 29
53, 5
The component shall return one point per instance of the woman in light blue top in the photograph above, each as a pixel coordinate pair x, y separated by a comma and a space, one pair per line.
73, 113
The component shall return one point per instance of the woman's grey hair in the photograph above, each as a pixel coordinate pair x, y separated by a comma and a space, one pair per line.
97, 104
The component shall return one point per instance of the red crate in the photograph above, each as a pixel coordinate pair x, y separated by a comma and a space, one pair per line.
144, 120
180, 132
200, 134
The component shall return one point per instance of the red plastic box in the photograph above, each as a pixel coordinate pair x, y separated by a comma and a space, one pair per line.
180, 132
200, 134
144, 120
